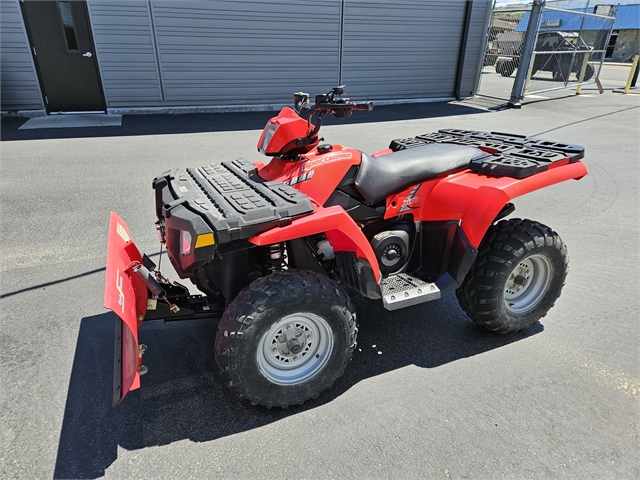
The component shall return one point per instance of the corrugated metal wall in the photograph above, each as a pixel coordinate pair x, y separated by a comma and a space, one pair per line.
125, 49
401, 49
474, 54
163, 53
20, 89
246, 52
411, 49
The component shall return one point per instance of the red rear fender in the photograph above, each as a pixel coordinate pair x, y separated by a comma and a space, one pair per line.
477, 199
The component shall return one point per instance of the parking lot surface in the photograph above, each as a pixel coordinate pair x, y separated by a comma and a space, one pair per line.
428, 394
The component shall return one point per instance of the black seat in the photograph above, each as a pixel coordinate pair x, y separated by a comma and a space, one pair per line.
379, 177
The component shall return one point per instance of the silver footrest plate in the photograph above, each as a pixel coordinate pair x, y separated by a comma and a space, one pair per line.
403, 290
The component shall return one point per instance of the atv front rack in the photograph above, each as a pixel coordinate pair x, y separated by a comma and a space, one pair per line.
231, 198
204, 210
507, 155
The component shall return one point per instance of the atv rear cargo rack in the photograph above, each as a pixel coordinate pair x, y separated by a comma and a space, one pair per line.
507, 155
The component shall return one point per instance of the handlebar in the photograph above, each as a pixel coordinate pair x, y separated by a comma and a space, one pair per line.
363, 106
327, 103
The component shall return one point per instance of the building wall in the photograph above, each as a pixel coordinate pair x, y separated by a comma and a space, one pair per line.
627, 45
19, 86
125, 49
247, 52
217, 53
474, 55
406, 50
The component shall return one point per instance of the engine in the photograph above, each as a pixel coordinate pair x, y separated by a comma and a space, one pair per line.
392, 247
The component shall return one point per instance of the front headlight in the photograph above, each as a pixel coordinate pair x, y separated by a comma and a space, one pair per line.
269, 131
185, 243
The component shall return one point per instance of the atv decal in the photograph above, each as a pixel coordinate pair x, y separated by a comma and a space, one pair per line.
324, 160
410, 200
119, 288
123, 233
301, 178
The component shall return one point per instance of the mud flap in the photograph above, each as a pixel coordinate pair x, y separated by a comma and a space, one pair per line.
126, 295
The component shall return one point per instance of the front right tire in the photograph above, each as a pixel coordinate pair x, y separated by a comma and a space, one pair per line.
517, 277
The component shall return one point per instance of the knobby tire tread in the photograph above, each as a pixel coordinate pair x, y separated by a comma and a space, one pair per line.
259, 304
481, 294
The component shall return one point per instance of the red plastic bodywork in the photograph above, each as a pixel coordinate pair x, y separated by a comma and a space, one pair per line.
289, 126
317, 175
126, 295
473, 199
342, 232
465, 196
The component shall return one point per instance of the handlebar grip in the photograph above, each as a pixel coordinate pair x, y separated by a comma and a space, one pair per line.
368, 106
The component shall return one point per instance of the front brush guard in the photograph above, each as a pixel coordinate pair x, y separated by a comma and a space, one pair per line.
126, 295
135, 293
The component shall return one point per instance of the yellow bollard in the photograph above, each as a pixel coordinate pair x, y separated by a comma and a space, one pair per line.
633, 69
585, 62
533, 59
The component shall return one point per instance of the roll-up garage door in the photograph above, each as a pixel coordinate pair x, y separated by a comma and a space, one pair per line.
244, 52
403, 49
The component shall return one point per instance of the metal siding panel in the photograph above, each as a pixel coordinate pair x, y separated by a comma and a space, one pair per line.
20, 89
124, 46
246, 52
220, 53
474, 55
401, 50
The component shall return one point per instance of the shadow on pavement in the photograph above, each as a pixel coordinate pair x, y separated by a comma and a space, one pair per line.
182, 396
222, 122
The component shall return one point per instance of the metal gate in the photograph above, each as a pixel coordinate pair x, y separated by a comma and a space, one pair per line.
567, 50
570, 47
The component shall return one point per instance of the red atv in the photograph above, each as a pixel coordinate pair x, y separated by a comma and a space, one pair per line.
281, 249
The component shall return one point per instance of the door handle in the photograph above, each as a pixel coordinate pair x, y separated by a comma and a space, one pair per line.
88, 54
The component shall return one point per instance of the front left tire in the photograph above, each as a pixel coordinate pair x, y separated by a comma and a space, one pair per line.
286, 338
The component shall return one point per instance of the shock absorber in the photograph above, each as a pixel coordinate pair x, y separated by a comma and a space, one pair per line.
277, 257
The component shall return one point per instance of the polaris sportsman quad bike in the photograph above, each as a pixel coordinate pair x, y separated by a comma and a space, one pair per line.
280, 249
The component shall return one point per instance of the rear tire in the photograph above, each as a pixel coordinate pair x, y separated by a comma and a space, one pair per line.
517, 277
286, 338
561, 72
505, 67
588, 73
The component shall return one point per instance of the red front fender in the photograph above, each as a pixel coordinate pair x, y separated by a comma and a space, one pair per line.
342, 232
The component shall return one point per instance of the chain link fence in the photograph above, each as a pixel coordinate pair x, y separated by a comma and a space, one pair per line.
502, 54
569, 49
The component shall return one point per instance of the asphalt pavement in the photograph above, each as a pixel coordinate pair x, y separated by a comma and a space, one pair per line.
428, 394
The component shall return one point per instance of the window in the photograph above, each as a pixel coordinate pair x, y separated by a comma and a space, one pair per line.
67, 25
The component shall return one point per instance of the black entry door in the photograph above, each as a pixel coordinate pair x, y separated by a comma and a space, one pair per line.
64, 53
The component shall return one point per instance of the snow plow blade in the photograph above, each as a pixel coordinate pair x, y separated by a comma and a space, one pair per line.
126, 295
